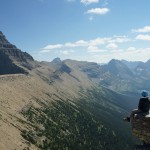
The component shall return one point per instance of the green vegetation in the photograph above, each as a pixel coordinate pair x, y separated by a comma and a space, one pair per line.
90, 123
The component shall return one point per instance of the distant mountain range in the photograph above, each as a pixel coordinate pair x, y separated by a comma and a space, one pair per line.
120, 75
67, 104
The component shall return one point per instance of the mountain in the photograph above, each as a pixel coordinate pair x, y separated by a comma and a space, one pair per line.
131, 64
117, 68
115, 75
118, 77
58, 105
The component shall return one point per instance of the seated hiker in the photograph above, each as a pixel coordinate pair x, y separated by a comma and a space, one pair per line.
143, 108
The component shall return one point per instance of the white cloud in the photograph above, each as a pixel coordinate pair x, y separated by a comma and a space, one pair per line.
98, 11
50, 47
89, 45
81, 43
66, 52
116, 51
69, 44
76, 44
87, 2
134, 55
119, 39
142, 30
112, 46
94, 49
99, 41
131, 49
45, 51
109, 40
143, 37
97, 50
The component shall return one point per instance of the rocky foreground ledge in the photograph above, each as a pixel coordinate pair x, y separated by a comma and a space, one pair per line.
141, 129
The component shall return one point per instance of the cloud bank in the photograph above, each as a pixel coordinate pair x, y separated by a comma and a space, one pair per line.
143, 37
142, 30
109, 42
102, 49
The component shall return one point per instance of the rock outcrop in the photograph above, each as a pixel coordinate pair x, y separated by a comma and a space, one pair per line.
141, 129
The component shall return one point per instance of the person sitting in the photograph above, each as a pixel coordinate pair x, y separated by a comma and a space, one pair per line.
143, 108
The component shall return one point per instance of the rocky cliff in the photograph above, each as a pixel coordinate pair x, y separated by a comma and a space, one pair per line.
141, 129
11, 58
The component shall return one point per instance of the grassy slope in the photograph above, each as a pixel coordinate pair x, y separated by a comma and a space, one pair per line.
91, 122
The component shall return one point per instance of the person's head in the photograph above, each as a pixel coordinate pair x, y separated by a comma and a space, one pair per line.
144, 93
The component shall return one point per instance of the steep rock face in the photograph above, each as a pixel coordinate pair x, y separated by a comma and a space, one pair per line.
141, 129
16, 54
12, 51
11, 58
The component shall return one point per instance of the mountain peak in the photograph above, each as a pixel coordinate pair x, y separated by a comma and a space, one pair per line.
114, 61
12, 58
3, 41
56, 60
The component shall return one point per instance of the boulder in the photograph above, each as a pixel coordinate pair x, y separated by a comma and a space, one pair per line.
141, 129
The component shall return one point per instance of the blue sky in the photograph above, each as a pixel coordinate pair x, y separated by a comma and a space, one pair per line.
87, 30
